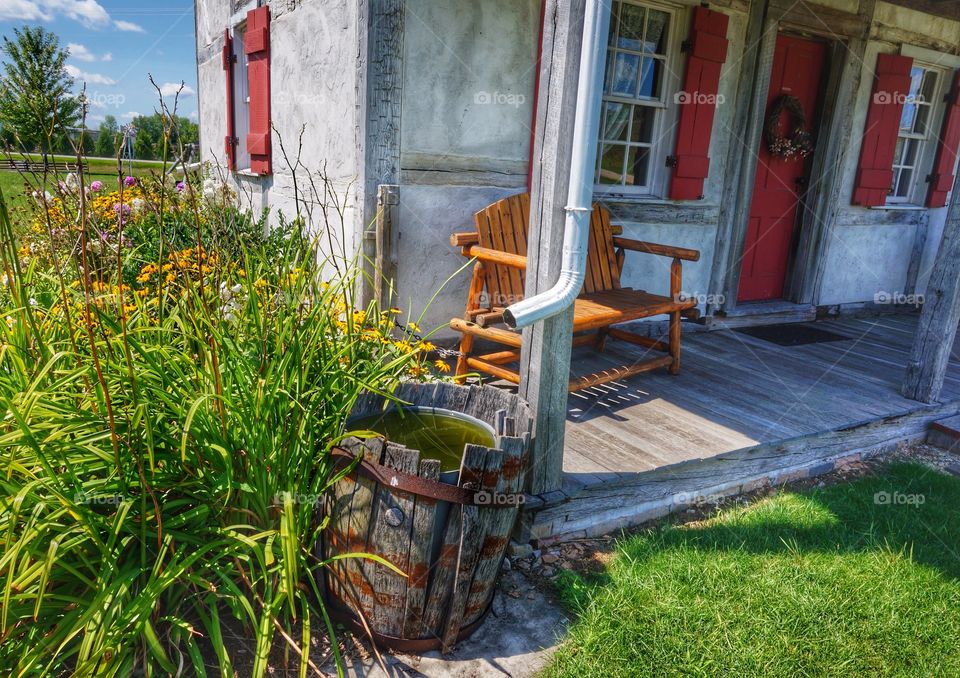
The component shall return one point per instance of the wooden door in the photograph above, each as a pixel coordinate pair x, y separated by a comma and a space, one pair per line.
798, 66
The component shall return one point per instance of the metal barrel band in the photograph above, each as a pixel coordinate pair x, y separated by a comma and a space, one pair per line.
406, 482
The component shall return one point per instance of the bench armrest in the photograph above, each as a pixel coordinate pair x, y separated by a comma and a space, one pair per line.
655, 248
495, 256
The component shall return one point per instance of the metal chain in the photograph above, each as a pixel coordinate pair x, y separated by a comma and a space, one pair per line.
442, 352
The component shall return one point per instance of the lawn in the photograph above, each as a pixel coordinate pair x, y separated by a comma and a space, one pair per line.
831, 581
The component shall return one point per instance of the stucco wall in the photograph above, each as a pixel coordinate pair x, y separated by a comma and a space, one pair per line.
313, 86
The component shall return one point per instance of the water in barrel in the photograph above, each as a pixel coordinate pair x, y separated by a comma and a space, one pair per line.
437, 433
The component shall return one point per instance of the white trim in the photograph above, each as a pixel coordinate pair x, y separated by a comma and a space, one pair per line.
932, 57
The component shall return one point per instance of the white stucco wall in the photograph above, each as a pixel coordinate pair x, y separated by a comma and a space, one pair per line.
313, 86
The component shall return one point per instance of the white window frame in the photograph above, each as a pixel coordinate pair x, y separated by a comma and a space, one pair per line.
241, 98
664, 129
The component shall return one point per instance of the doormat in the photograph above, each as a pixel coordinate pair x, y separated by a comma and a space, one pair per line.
792, 334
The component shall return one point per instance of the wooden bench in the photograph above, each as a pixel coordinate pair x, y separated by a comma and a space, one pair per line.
36, 166
499, 246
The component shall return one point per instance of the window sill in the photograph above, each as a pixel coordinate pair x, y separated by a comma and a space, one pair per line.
648, 200
905, 207
246, 173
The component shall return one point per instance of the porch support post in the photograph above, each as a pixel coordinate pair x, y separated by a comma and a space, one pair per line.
933, 342
545, 356
379, 89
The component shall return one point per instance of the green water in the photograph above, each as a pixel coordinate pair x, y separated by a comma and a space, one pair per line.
438, 435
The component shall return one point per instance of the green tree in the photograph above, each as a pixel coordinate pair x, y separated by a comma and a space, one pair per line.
36, 103
106, 146
142, 144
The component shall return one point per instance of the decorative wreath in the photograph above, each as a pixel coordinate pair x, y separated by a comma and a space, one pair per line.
797, 142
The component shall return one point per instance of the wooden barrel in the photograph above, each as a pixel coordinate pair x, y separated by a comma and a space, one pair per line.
449, 540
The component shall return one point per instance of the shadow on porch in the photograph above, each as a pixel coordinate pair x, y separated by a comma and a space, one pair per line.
743, 412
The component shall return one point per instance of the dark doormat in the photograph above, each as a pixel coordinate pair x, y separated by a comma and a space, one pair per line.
793, 334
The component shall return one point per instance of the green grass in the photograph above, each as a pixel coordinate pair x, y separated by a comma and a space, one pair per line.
826, 582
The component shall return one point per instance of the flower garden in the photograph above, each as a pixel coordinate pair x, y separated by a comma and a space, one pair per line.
173, 373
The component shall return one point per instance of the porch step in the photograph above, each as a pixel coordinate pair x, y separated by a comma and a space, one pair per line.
945, 433
762, 313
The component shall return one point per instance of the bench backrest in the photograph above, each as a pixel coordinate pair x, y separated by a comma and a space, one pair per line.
503, 226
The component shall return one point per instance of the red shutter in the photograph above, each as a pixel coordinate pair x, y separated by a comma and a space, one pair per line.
230, 141
707, 50
256, 45
891, 86
941, 180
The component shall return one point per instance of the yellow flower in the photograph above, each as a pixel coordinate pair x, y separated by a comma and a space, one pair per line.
441, 366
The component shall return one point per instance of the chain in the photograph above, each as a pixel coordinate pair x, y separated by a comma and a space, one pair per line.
416, 336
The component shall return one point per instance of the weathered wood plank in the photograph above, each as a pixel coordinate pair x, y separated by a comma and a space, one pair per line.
390, 534
421, 550
937, 327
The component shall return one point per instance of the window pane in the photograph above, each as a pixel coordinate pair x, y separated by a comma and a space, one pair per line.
920, 120
908, 116
614, 13
898, 152
643, 119
631, 26
656, 38
916, 79
650, 75
910, 152
611, 164
625, 71
929, 87
638, 160
903, 183
615, 117
896, 180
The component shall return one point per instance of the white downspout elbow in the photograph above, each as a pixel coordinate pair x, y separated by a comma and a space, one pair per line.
583, 160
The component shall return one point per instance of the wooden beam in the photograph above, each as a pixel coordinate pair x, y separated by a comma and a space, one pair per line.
933, 342
545, 358
387, 241
379, 89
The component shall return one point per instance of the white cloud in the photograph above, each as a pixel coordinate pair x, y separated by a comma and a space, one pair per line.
129, 26
169, 89
95, 118
130, 115
87, 12
81, 53
194, 115
89, 78
23, 10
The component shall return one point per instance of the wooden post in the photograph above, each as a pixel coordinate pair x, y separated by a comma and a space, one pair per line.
545, 356
933, 342
379, 90
387, 236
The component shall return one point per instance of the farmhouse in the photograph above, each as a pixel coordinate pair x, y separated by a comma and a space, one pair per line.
805, 151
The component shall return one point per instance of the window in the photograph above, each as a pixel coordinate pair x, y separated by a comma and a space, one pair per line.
629, 153
915, 124
241, 99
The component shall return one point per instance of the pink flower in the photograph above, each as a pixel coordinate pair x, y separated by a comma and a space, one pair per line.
181, 187
96, 186
121, 208
129, 181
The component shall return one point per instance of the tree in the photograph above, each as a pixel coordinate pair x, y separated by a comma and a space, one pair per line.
142, 144
106, 146
36, 103
150, 132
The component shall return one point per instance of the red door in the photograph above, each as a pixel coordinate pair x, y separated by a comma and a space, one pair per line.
779, 182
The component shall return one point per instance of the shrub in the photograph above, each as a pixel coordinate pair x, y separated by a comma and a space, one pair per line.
169, 397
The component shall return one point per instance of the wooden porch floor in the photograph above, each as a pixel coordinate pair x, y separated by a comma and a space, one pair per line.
734, 392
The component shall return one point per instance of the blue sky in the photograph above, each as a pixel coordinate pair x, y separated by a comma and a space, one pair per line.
114, 46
